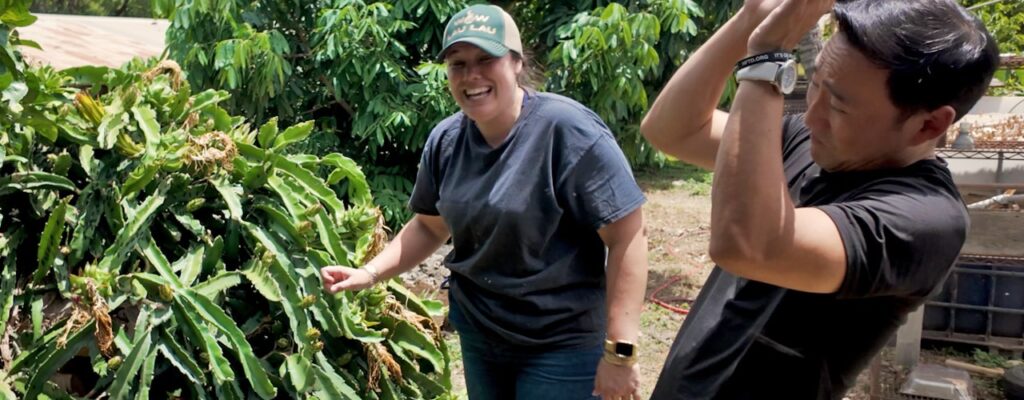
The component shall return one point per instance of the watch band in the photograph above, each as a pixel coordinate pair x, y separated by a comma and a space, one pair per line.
612, 355
619, 360
773, 56
765, 71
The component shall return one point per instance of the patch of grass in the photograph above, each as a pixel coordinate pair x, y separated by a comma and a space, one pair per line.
990, 360
691, 179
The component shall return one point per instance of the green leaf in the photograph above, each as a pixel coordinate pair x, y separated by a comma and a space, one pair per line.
294, 133
8, 280
126, 238
232, 196
37, 318
156, 258
17, 15
427, 384
333, 384
310, 182
219, 366
146, 376
133, 361
191, 224
15, 92
29, 43
409, 300
113, 122
279, 220
268, 132
214, 251
329, 237
299, 372
358, 189
146, 118
52, 358
254, 371
191, 265
208, 98
210, 288
284, 274
49, 243
179, 358
409, 339
32, 181
141, 176
259, 275
309, 280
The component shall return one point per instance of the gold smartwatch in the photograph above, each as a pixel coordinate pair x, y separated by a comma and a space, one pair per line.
620, 353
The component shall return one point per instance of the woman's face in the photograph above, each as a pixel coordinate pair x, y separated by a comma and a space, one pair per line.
484, 86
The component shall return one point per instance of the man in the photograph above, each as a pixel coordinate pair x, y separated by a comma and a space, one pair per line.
829, 227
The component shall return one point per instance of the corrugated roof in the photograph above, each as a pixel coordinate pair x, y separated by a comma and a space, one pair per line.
73, 40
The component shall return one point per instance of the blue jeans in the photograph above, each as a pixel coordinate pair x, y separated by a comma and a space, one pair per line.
496, 371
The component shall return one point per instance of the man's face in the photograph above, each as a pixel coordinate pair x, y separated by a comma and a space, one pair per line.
854, 124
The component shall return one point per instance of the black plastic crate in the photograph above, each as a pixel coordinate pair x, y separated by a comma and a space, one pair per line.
981, 303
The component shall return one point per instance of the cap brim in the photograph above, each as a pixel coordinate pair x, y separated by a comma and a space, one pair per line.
489, 46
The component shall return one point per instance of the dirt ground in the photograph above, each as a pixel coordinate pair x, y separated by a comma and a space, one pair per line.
677, 216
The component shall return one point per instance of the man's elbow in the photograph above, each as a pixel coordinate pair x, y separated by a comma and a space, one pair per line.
649, 131
737, 255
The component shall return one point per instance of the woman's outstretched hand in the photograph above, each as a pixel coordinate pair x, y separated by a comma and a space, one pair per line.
337, 278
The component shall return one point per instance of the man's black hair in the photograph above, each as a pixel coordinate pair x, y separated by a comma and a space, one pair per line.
937, 53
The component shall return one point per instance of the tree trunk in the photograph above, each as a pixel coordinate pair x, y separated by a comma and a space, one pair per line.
120, 10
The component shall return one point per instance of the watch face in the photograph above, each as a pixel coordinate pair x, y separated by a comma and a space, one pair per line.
787, 77
624, 349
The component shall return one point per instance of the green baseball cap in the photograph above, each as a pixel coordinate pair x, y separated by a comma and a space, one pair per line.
486, 26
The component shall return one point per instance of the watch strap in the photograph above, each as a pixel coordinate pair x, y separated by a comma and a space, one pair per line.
766, 71
611, 356
773, 56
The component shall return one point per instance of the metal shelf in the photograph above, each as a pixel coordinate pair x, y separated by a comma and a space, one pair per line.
982, 154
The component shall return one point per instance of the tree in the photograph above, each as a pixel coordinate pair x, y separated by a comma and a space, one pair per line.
363, 71
113, 8
154, 245
366, 73
1005, 19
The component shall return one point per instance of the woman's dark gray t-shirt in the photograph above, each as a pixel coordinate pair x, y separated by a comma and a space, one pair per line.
527, 263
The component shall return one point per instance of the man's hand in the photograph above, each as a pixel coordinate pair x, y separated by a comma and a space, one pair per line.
758, 10
338, 278
616, 382
785, 24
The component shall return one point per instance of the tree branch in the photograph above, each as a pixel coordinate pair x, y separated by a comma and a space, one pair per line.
337, 97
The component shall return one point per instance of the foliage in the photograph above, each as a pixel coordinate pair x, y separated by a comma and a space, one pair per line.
989, 359
611, 57
177, 248
363, 71
366, 73
1005, 20
120, 8
1013, 83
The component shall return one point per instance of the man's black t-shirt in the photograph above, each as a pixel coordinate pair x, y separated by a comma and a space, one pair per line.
902, 229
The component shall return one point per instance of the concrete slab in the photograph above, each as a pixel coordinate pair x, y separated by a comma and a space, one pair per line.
74, 40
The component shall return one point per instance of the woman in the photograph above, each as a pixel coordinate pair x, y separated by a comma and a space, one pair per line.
531, 187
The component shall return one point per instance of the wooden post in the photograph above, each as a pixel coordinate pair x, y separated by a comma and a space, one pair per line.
876, 378
908, 340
